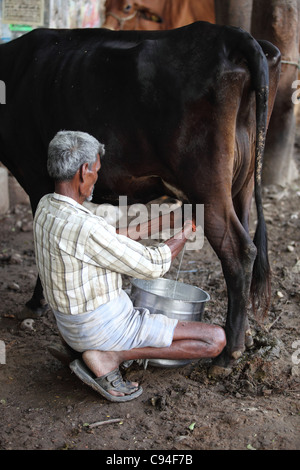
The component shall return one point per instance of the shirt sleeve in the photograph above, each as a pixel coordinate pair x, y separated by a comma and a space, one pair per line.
119, 253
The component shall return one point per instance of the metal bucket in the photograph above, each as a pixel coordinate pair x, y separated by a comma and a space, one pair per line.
173, 299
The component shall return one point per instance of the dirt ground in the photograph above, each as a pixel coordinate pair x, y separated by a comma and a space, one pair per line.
43, 406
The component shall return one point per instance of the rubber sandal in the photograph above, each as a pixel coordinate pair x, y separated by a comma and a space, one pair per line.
140, 362
111, 381
126, 364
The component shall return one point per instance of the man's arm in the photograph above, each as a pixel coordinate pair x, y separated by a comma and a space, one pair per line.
145, 230
176, 243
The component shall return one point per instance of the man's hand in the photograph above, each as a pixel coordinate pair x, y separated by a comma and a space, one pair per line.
177, 242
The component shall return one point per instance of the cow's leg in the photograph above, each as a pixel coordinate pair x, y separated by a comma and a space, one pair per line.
242, 205
36, 306
35, 186
236, 252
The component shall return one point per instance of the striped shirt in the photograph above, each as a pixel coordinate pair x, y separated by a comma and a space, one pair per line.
80, 257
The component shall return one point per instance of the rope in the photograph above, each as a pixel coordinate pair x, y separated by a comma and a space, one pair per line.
291, 62
121, 20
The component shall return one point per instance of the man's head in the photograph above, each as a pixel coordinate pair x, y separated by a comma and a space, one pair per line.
68, 150
74, 153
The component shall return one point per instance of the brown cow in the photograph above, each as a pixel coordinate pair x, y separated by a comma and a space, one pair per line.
203, 136
156, 14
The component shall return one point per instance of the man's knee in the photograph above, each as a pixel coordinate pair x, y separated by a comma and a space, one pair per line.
218, 340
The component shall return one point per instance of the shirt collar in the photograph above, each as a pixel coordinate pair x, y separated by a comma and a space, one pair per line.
71, 201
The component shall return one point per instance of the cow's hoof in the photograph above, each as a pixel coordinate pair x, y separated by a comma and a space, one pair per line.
219, 372
249, 339
236, 355
29, 313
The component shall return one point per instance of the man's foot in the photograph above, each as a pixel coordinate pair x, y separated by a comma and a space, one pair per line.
102, 363
111, 385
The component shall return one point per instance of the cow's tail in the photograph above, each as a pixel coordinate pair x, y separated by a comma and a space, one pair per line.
260, 290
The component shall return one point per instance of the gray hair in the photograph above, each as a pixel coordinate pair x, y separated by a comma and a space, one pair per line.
68, 150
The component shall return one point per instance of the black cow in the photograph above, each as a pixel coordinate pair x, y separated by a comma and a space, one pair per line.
186, 108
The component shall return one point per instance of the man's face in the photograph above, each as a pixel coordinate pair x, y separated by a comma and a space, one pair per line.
92, 178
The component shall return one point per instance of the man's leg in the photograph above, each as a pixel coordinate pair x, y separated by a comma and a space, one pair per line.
191, 340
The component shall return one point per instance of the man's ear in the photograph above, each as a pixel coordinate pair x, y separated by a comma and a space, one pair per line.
83, 170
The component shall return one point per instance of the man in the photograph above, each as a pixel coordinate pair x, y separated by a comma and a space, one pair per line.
80, 260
